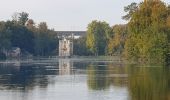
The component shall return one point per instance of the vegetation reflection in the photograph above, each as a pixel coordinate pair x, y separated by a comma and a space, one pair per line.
142, 82
101, 77
24, 77
149, 83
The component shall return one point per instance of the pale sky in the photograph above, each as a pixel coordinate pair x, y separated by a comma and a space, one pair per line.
67, 14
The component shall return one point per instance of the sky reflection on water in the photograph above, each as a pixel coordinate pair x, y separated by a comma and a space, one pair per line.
65, 79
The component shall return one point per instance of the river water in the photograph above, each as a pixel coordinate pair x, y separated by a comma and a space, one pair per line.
67, 79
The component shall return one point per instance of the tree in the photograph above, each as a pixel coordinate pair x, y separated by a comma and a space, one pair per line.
80, 47
23, 38
15, 17
45, 40
23, 17
117, 41
130, 9
31, 25
98, 34
42, 26
5, 33
147, 39
21, 32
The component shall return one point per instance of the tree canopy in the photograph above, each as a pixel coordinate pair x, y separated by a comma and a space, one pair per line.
98, 34
22, 32
148, 31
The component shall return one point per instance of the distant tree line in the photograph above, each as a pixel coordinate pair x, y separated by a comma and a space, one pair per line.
23, 33
145, 38
102, 39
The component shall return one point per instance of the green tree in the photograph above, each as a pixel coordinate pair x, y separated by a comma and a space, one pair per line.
23, 38
21, 32
23, 17
5, 42
98, 34
147, 39
79, 47
130, 9
46, 41
117, 41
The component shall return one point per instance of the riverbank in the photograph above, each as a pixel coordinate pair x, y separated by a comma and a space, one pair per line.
74, 58
55, 59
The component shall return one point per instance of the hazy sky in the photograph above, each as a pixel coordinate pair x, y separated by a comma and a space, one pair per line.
67, 14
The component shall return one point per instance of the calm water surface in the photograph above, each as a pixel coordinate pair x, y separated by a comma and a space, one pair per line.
65, 79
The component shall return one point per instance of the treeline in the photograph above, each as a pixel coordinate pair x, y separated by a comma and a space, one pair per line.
145, 38
23, 33
101, 40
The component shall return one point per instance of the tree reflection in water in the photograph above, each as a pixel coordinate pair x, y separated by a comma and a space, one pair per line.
101, 76
97, 77
24, 76
143, 83
149, 83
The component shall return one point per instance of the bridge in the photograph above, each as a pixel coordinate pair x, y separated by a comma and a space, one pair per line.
76, 34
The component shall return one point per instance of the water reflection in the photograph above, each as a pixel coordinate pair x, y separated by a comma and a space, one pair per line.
26, 76
144, 83
65, 78
65, 67
149, 83
23, 77
97, 79
101, 76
